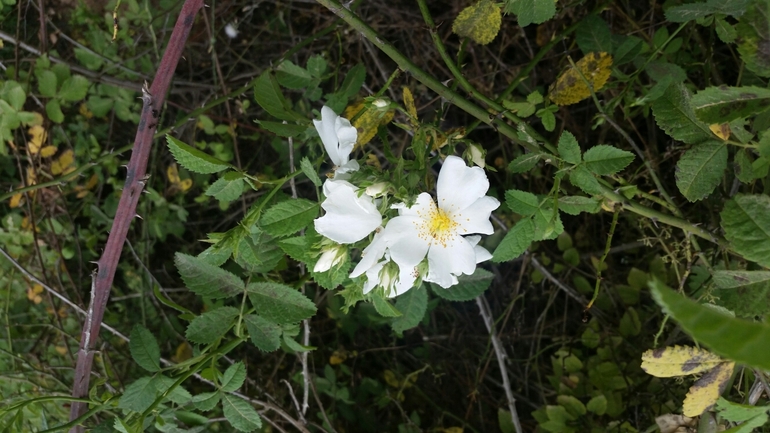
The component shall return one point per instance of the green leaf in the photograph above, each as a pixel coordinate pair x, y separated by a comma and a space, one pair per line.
144, 348
384, 307
583, 179
307, 167
575, 204
296, 248
479, 22
139, 395
747, 293
522, 109
627, 50
724, 104
735, 279
597, 405
524, 163
531, 11
522, 202
205, 279
412, 305
606, 160
316, 65
694, 11
283, 129
46, 83
725, 31
593, 35
574, 406
353, 81
744, 170
233, 378
745, 342
291, 345
753, 36
12, 92
569, 149
53, 111
469, 287
177, 395
258, 253
548, 224
209, 326
630, 324
206, 401
292, 76
265, 334
227, 188
240, 414
515, 242
279, 303
193, 159
700, 169
735, 412
746, 221
74, 88
268, 95
674, 115
289, 217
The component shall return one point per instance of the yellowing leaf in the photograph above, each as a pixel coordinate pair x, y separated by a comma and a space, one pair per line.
172, 172
368, 121
721, 130
31, 177
705, 391
33, 293
48, 151
479, 22
571, 88
37, 136
61, 350
410, 107
183, 352
15, 200
390, 379
678, 361
63, 165
84, 111
338, 357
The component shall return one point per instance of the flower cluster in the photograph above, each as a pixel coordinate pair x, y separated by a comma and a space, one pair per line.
433, 241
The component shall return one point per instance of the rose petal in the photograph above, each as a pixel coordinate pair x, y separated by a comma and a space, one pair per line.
459, 186
444, 262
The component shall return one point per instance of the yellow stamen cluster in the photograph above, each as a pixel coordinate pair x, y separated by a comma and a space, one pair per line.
437, 226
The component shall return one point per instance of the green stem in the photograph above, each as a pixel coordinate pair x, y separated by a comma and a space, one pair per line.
599, 267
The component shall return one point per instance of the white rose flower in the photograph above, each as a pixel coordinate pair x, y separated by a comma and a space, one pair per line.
339, 138
349, 216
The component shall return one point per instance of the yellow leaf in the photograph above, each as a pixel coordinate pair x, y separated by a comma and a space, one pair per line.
33, 293
92, 182
183, 353
37, 138
31, 177
390, 379
84, 111
722, 131
63, 165
571, 88
61, 350
479, 22
368, 121
338, 357
453, 430
172, 172
48, 151
410, 107
678, 361
185, 185
15, 200
706, 390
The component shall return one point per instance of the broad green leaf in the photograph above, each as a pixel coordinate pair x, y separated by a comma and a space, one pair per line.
265, 334
574, 406
724, 104
211, 325
735, 412
412, 305
384, 307
746, 221
548, 224
178, 395
524, 163
240, 414
289, 217
575, 204
531, 11
479, 22
316, 65
585, 180
296, 248
569, 149
233, 377
629, 323
258, 252
515, 242
597, 405
307, 167
352, 83
205, 279
14, 94
193, 159
283, 129
744, 170
725, 31
206, 401
268, 95
139, 395
742, 341
700, 169
627, 50
469, 287
279, 303
754, 35
74, 88
225, 189
292, 76
46, 83
605, 160
144, 348
522, 109
747, 293
593, 35
53, 111
674, 114
694, 11
522, 202
735, 279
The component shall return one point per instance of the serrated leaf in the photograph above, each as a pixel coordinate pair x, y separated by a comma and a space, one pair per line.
700, 169
743, 166
139, 395
735, 412
268, 95
307, 167
753, 35
703, 394
53, 111
296, 248
46, 83
205, 279
258, 253
597, 405
352, 83
144, 348
289, 217
279, 303
575, 204
384, 307
593, 35
746, 221
265, 334
206, 401
211, 325
606, 160
531, 11
524, 163
678, 361
469, 287
515, 242
240, 414
178, 395
480, 22
412, 305
735, 279
226, 190
292, 76
193, 159
747, 293
316, 65
724, 104
282, 129
569, 149
583, 179
521, 202
673, 114
742, 341
570, 87
233, 377
547, 224
74, 88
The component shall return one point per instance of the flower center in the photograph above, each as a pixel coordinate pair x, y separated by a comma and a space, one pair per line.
440, 226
